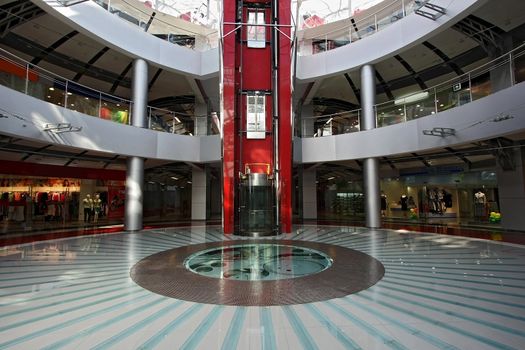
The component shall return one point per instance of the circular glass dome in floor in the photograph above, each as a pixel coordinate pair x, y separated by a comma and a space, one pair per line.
258, 262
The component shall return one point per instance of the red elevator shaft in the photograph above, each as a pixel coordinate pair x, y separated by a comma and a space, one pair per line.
256, 95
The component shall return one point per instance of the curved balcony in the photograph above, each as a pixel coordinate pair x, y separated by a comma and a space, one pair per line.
39, 105
37, 82
482, 81
165, 38
483, 103
337, 47
319, 36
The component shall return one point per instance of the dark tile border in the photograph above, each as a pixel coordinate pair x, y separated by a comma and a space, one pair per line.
164, 273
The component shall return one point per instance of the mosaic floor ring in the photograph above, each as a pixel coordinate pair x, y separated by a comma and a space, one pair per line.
257, 272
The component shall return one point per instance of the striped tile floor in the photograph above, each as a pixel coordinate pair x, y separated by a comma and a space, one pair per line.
438, 292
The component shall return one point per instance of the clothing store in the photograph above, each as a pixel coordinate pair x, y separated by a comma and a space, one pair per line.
454, 196
28, 201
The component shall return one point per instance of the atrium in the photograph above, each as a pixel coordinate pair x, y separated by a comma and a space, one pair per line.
262, 174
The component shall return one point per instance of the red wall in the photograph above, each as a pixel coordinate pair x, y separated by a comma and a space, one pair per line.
33, 169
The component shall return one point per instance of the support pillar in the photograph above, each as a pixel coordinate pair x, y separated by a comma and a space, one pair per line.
135, 165
511, 189
370, 165
307, 121
198, 194
309, 189
201, 119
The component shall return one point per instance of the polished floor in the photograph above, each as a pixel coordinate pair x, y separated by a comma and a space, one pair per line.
438, 292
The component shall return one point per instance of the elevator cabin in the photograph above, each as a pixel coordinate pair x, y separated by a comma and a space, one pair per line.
257, 133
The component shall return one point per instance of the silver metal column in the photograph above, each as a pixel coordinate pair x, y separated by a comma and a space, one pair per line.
135, 165
370, 165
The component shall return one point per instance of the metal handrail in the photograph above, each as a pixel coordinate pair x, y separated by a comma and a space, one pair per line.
31, 69
503, 60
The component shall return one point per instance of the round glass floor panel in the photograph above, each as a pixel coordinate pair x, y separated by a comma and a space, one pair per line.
258, 262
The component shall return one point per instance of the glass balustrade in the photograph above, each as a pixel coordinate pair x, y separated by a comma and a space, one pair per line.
480, 82
19, 75
347, 30
192, 29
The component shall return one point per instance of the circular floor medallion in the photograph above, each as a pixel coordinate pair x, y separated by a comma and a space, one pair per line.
184, 273
258, 262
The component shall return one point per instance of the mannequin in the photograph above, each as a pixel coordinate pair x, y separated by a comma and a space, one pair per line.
97, 206
88, 208
480, 197
479, 203
383, 204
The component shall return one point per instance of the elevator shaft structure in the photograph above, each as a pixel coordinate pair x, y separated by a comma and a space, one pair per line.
256, 117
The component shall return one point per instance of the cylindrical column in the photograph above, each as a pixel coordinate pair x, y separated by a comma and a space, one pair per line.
372, 195
134, 184
368, 97
135, 165
139, 89
370, 165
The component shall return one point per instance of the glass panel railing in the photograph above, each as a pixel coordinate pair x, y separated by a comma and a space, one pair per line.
518, 64
453, 94
115, 109
345, 31
15, 74
328, 125
180, 30
389, 113
19, 75
496, 75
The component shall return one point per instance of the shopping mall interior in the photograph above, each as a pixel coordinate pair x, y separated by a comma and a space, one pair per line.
262, 174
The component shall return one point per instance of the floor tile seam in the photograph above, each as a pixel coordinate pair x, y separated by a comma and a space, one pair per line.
427, 307
451, 293
441, 324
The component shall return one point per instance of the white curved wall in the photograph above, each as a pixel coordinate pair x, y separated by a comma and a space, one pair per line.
98, 134
93, 21
472, 122
388, 42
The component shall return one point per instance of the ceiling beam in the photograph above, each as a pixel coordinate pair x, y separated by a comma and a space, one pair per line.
109, 161
459, 155
72, 159
90, 63
412, 72
43, 54
36, 152
154, 78
120, 78
384, 85
356, 91
422, 160
392, 165
443, 57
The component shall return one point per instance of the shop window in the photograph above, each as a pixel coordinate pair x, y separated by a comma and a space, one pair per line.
256, 33
255, 117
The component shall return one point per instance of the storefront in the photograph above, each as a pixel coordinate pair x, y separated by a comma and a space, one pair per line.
59, 195
448, 195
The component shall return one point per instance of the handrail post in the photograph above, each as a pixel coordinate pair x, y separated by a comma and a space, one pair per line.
26, 89
326, 42
403, 10
511, 67
470, 87
149, 117
99, 104
130, 115
375, 23
435, 100
65, 94
405, 112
